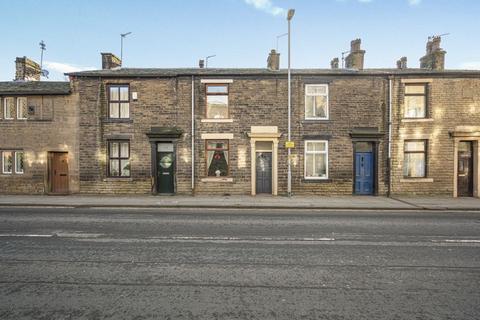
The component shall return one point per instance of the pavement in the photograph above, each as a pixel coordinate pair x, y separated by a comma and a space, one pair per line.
246, 202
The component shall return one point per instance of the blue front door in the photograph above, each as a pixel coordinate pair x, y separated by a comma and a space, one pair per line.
364, 172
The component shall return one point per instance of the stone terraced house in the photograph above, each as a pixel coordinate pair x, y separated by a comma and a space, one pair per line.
224, 131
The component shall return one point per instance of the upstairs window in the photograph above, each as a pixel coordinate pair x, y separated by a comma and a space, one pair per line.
415, 101
415, 159
22, 108
8, 108
217, 101
217, 158
119, 158
118, 102
316, 101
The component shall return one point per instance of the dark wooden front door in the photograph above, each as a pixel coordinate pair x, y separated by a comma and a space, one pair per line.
264, 172
165, 168
59, 172
465, 169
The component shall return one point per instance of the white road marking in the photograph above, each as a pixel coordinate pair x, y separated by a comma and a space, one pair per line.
458, 240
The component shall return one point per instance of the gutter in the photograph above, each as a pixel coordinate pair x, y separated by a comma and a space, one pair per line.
193, 134
389, 161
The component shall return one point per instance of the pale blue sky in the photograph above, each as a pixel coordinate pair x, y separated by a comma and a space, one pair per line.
176, 33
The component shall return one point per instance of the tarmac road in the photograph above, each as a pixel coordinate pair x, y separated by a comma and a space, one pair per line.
101, 263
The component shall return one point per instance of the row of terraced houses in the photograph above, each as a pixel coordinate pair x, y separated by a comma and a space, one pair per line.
354, 130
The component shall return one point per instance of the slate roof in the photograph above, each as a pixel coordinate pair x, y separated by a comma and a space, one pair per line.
35, 87
173, 72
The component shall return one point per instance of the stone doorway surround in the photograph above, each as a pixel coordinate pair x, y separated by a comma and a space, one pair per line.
467, 133
267, 134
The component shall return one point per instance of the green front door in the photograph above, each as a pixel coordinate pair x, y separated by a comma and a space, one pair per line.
165, 168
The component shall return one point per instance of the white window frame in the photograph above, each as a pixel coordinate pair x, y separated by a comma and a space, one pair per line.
18, 109
15, 165
3, 162
327, 108
5, 105
315, 152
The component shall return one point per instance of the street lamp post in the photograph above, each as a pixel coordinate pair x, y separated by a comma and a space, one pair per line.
290, 14
122, 36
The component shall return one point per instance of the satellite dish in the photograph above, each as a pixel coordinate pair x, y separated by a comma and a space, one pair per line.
45, 73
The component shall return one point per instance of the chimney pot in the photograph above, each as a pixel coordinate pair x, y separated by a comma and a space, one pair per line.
27, 70
110, 61
402, 63
334, 63
273, 61
355, 58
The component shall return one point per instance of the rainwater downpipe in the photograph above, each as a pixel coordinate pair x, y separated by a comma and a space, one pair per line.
389, 162
193, 134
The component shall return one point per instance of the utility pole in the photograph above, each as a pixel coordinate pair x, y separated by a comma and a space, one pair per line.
43, 47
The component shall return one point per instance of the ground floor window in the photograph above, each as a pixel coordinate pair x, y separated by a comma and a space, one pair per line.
316, 159
119, 158
415, 159
217, 158
12, 161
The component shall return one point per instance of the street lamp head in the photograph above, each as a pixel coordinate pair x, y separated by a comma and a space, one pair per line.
125, 34
290, 14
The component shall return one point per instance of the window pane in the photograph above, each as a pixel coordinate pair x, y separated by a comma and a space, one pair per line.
415, 106
217, 89
309, 106
7, 162
414, 165
316, 90
9, 108
114, 110
415, 146
217, 163
415, 89
21, 108
19, 162
320, 166
125, 167
219, 145
321, 106
114, 94
124, 150
217, 107
114, 165
114, 150
124, 94
316, 146
124, 110
309, 165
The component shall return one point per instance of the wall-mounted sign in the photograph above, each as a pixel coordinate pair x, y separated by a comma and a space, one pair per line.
289, 144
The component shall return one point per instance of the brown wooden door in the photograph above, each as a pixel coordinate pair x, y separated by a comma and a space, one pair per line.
465, 169
59, 172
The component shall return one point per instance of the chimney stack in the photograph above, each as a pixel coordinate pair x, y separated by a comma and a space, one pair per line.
273, 61
110, 61
355, 58
27, 70
334, 63
201, 63
434, 59
402, 63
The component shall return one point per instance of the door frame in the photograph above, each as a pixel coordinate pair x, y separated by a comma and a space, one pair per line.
50, 173
476, 162
268, 134
375, 167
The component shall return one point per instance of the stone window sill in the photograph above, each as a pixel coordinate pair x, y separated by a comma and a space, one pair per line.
108, 120
316, 180
417, 120
217, 120
415, 180
117, 179
217, 180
